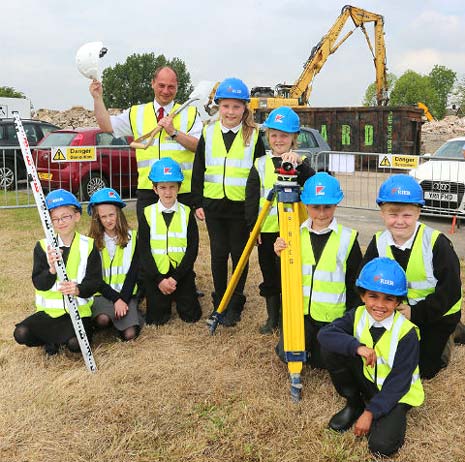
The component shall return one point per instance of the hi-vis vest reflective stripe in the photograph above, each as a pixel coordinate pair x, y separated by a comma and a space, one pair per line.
51, 301
385, 349
226, 172
324, 287
143, 120
114, 271
167, 245
420, 275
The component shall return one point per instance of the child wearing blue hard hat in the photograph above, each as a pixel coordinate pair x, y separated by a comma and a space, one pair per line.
433, 270
168, 246
224, 157
51, 326
282, 129
116, 304
372, 356
331, 257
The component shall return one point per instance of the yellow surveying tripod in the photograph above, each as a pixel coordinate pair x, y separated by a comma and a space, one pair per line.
287, 192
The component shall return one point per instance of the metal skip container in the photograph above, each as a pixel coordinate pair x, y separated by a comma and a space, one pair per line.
383, 129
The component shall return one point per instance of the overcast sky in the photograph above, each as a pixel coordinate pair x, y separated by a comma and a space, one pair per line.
264, 42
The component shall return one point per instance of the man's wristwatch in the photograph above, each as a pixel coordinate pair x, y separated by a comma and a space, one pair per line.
175, 134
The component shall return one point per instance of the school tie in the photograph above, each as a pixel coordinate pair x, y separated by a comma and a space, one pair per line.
168, 216
160, 114
376, 333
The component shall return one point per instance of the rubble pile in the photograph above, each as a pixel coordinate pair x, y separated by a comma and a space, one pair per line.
75, 117
450, 126
436, 132
433, 133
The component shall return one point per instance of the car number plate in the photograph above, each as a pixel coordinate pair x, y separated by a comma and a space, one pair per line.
45, 176
440, 196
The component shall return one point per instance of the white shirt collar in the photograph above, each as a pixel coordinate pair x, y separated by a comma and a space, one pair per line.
173, 208
386, 323
332, 226
234, 129
166, 108
407, 244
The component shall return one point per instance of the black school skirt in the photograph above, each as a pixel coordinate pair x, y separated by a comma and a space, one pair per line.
54, 330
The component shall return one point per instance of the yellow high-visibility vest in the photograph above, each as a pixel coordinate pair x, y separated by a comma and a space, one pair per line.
51, 301
114, 271
168, 245
143, 120
226, 172
324, 286
420, 272
385, 349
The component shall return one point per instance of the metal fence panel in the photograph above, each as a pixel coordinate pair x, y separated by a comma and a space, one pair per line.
360, 175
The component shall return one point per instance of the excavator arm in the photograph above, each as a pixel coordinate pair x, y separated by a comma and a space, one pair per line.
329, 44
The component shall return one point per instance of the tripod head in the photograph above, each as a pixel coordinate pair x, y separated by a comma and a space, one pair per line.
287, 173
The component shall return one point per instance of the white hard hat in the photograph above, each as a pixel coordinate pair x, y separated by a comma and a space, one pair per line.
87, 59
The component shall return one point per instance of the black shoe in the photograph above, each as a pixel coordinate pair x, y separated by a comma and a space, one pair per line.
346, 417
51, 349
230, 318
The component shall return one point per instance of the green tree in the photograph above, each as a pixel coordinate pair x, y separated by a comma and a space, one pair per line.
442, 80
412, 88
130, 83
370, 93
10, 92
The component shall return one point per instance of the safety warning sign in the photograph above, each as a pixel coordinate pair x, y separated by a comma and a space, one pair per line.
74, 153
397, 161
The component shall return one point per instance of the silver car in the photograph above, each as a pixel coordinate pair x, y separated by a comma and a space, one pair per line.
309, 144
442, 178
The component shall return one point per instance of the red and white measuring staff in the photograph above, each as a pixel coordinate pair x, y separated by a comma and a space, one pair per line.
52, 240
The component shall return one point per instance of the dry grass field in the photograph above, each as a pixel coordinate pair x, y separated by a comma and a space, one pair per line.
176, 394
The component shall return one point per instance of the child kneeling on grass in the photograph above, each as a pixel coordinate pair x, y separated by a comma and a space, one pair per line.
372, 355
168, 244
116, 303
51, 325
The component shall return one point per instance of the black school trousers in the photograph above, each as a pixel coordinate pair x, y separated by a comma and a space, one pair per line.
228, 236
185, 297
387, 433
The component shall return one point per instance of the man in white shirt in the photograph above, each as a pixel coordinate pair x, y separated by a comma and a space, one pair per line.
178, 138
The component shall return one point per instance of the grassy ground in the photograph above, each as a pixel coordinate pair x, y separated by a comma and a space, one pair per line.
177, 394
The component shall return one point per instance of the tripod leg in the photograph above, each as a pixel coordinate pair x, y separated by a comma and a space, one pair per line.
216, 317
292, 301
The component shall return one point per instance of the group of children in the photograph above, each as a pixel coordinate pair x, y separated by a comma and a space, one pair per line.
377, 323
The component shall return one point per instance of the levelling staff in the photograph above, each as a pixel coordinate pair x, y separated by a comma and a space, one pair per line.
51, 325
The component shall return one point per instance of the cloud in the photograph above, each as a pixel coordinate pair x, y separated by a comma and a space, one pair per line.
264, 42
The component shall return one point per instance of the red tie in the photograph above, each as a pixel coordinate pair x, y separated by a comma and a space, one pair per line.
160, 114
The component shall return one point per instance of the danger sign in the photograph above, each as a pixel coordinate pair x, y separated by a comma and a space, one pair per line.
397, 161
74, 154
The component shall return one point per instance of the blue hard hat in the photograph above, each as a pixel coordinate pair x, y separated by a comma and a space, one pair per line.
322, 189
401, 188
105, 196
283, 119
166, 169
383, 275
62, 198
232, 88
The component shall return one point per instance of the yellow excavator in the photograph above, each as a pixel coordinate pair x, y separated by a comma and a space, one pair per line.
299, 93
